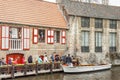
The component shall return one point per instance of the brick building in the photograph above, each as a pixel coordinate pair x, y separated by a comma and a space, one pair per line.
31, 27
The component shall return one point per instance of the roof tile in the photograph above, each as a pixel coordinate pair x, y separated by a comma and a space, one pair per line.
91, 9
31, 12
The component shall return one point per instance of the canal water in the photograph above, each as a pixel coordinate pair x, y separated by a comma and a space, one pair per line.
113, 74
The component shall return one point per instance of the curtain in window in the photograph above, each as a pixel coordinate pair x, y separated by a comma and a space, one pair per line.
85, 38
112, 40
98, 39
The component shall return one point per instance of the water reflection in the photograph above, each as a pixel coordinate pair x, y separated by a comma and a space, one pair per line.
116, 73
113, 74
104, 75
54, 76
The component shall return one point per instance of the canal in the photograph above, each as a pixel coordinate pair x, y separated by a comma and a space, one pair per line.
113, 74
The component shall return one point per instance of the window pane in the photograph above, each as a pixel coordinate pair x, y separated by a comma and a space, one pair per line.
98, 23
85, 41
112, 42
98, 41
82, 39
41, 35
85, 22
57, 36
112, 39
14, 33
85, 38
113, 24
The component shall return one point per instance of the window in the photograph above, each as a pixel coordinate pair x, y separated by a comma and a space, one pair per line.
57, 36
98, 41
41, 35
112, 42
98, 23
85, 41
113, 24
15, 33
85, 22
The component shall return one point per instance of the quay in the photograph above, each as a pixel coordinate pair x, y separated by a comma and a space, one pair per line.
12, 71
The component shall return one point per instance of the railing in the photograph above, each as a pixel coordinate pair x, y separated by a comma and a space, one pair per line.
15, 44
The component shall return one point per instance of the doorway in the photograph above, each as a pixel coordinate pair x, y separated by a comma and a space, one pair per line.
15, 56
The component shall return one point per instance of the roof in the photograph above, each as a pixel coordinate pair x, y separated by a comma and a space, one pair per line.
32, 12
91, 9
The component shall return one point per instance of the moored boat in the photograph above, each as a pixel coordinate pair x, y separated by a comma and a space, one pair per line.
85, 68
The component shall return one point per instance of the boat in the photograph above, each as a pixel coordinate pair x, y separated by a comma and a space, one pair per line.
85, 68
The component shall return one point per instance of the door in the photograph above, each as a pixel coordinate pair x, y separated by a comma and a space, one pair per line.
16, 57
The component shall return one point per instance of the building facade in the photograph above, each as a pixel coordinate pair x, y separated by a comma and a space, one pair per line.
105, 2
31, 28
93, 30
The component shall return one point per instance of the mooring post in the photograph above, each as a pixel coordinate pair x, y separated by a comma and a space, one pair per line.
25, 68
36, 68
12, 71
51, 71
8, 70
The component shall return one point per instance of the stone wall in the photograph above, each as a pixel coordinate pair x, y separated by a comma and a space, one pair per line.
74, 40
41, 48
36, 49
